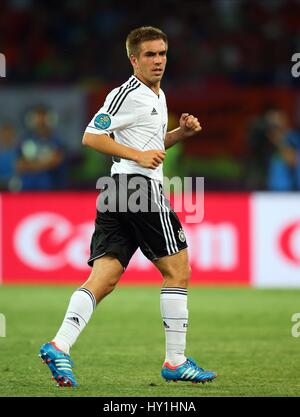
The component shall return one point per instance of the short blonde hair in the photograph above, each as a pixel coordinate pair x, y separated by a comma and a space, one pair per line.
143, 34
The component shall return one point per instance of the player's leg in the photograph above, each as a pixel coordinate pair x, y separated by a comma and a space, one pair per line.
175, 270
112, 246
161, 238
104, 277
110, 251
105, 274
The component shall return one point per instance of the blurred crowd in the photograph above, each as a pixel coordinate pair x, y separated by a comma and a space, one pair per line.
38, 159
214, 44
35, 161
240, 42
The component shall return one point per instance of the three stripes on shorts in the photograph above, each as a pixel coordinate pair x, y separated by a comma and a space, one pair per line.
164, 214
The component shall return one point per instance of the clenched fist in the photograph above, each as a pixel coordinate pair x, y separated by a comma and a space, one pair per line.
189, 124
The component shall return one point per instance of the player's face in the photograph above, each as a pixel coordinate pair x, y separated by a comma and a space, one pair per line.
149, 65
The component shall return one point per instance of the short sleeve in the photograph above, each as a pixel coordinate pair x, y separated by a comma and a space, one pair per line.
117, 113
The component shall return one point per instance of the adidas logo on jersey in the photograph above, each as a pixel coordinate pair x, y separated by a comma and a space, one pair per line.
74, 319
153, 112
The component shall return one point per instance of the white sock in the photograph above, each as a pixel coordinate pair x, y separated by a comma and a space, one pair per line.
174, 312
80, 309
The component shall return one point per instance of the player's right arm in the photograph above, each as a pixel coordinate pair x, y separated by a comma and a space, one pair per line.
105, 144
107, 120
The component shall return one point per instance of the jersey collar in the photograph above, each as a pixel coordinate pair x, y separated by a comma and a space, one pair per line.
148, 88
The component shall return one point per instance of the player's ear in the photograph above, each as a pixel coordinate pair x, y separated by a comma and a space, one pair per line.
133, 60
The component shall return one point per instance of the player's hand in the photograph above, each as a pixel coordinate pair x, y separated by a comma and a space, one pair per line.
189, 125
151, 159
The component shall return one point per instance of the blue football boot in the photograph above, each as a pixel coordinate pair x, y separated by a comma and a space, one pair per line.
59, 364
188, 371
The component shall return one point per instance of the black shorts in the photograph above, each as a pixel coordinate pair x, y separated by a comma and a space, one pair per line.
123, 223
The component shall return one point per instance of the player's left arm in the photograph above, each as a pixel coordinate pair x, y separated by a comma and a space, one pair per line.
188, 126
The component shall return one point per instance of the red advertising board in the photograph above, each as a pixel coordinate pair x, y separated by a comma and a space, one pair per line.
46, 236
45, 239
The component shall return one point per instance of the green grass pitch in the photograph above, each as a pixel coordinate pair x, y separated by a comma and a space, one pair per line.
244, 334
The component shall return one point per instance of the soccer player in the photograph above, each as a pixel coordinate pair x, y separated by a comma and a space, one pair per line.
132, 127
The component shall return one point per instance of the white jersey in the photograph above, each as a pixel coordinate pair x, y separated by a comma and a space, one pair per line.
138, 118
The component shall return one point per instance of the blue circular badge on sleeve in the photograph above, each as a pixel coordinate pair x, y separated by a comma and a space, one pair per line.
102, 121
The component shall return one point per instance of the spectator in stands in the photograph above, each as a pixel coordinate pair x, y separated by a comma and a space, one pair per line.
8, 156
41, 155
284, 165
274, 162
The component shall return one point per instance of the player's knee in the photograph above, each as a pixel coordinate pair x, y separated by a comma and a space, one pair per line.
178, 277
110, 286
186, 273
101, 284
